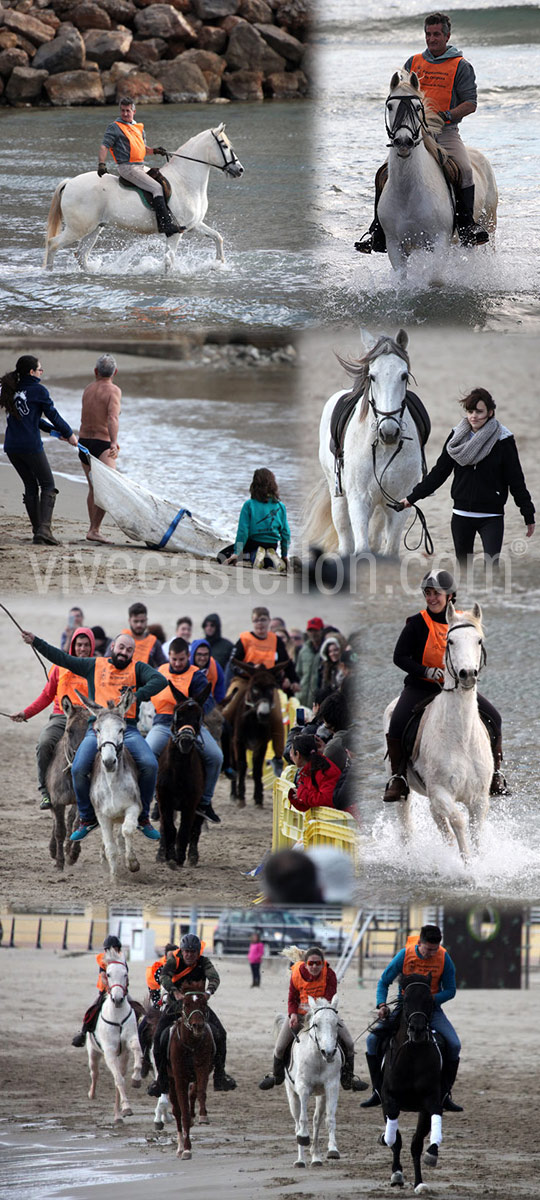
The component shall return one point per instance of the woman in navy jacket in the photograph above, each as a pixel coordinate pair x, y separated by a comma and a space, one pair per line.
30, 409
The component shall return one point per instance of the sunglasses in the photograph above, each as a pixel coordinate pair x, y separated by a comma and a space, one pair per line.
314, 962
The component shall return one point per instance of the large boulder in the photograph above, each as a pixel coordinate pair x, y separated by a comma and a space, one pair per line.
25, 85
283, 43
66, 53
286, 85
248, 51
34, 31
139, 85
122, 12
243, 85
212, 38
149, 51
89, 15
74, 87
182, 82
212, 67
11, 58
106, 46
214, 10
255, 10
294, 15
162, 20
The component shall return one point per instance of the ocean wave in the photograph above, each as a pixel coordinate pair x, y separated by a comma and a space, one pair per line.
514, 24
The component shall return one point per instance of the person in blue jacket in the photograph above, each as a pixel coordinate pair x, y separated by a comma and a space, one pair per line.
201, 657
30, 409
263, 524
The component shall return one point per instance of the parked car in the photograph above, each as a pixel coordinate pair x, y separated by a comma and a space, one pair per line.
278, 928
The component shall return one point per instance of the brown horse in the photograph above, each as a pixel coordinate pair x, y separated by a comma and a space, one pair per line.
256, 720
180, 783
60, 785
191, 1058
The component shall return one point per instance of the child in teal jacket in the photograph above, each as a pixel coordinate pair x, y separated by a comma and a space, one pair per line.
263, 524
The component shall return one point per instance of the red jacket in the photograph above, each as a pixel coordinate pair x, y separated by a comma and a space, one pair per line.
48, 695
317, 794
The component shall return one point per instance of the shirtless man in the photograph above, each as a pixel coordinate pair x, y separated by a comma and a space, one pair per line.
99, 432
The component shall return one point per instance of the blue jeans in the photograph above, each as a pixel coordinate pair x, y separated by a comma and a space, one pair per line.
439, 1022
212, 756
81, 770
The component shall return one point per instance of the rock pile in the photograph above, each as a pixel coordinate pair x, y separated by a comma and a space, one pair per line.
63, 52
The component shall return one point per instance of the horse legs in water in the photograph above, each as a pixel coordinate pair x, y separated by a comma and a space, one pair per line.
216, 238
170, 250
342, 523
448, 817
87, 244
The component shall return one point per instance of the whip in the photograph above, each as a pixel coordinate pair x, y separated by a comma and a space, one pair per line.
19, 627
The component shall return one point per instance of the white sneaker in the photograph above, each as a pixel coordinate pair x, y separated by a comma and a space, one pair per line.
276, 561
259, 558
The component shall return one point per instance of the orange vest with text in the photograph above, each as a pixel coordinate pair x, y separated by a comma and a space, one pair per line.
143, 646
108, 682
164, 702
308, 987
185, 970
67, 682
436, 79
137, 145
259, 650
413, 965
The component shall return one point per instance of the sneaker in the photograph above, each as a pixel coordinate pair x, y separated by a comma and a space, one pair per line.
206, 811
45, 803
79, 1039
144, 826
258, 561
224, 1083
83, 831
276, 561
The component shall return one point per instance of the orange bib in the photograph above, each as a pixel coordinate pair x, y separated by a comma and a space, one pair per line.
436, 79
164, 702
143, 646
108, 682
413, 965
435, 647
308, 987
137, 145
185, 970
67, 683
259, 650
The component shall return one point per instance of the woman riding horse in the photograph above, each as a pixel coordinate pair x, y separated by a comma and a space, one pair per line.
420, 651
311, 977
112, 952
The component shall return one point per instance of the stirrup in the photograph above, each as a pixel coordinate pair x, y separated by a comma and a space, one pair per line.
472, 235
403, 796
365, 245
498, 785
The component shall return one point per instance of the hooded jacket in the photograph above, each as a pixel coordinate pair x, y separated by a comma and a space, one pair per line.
50, 691
220, 647
218, 687
33, 404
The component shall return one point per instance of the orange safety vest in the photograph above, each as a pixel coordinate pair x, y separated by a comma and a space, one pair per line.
413, 965
185, 970
137, 144
435, 647
108, 681
436, 79
259, 650
151, 980
143, 646
103, 963
308, 987
67, 682
164, 702
211, 673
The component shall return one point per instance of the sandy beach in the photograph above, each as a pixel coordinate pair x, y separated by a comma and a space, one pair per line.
55, 1143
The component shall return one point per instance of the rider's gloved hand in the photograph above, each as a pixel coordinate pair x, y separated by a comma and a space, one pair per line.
102, 170
159, 150
435, 673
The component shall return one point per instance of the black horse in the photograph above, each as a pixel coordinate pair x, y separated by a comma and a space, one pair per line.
411, 1079
180, 783
255, 723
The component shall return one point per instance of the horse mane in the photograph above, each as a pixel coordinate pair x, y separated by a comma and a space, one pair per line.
467, 617
358, 369
434, 122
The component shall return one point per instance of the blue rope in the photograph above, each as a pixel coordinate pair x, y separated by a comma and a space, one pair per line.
182, 512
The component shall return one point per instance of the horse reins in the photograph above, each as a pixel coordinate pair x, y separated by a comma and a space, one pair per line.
408, 108
425, 536
226, 162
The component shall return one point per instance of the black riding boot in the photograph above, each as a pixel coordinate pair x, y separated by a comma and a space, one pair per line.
397, 787
470, 234
161, 1084
277, 1076
44, 534
89, 1020
374, 240
348, 1079
450, 1070
32, 506
374, 1068
222, 1081
165, 221
498, 785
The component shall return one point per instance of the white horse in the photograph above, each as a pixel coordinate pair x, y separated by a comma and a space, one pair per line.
415, 208
114, 790
382, 456
88, 203
315, 1069
114, 1037
452, 763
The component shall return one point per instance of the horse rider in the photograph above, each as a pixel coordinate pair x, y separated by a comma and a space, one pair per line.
147, 647
107, 679
60, 683
420, 651
125, 138
311, 977
425, 956
188, 969
112, 952
259, 645
448, 82
153, 975
188, 679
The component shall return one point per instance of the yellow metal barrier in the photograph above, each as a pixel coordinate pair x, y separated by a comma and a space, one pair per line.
288, 714
316, 827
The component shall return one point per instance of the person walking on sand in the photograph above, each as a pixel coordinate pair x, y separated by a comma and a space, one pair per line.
100, 412
255, 957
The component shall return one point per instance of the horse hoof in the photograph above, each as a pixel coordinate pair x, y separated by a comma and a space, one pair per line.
333, 1154
134, 866
420, 1189
136, 1083
430, 1159
397, 1179
242, 804
299, 1164
127, 1112
317, 1162
185, 1154
381, 1140
117, 1121
172, 864
158, 1125
204, 1121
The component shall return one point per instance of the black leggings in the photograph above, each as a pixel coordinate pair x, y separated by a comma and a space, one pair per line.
411, 696
34, 471
464, 530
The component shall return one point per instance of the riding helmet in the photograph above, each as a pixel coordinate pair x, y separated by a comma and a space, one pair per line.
442, 581
112, 943
190, 941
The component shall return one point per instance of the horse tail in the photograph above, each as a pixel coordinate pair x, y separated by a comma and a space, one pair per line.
54, 220
318, 525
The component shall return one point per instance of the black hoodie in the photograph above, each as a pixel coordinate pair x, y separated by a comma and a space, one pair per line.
221, 647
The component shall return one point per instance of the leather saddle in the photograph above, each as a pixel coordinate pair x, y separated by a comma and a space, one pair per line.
343, 411
146, 197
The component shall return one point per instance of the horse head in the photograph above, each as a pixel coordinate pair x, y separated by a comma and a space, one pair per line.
194, 1012
408, 115
465, 651
76, 726
380, 381
230, 164
117, 982
417, 1006
323, 1026
109, 726
259, 694
187, 718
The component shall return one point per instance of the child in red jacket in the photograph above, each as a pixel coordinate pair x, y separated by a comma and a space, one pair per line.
317, 776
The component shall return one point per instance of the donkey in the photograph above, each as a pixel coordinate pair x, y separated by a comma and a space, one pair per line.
180, 782
255, 722
60, 785
114, 789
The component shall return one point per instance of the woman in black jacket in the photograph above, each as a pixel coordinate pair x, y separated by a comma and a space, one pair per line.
483, 455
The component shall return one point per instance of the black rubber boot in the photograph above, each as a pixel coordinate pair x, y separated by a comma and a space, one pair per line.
277, 1076
44, 534
165, 221
470, 234
374, 1074
31, 504
373, 241
450, 1070
79, 1039
222, 1081
397, 787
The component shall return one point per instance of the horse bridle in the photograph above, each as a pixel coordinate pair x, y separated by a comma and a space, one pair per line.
186, 732
418, 1013
227, 162
312, 1029
118, 745
448, 656
407, 117
201, 1011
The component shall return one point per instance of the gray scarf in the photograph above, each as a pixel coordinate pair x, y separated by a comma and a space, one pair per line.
468, 450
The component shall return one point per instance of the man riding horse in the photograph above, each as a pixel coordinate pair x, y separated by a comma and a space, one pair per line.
423, 957
261, 646
187, 969
448, 82
125, 138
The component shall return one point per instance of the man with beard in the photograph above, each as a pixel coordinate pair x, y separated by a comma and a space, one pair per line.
107, 679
